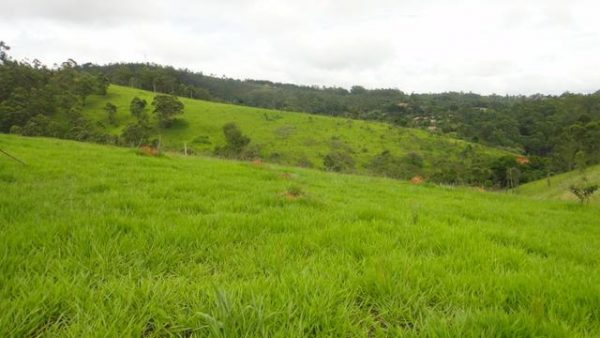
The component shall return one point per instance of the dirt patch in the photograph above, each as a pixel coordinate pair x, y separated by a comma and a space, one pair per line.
417, 180
148, 150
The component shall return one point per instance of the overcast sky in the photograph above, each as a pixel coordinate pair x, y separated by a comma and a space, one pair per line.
494, 46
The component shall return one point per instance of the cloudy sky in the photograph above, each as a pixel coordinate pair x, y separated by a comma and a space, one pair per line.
493, 46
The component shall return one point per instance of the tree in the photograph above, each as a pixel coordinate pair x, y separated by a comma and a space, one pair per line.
37, 126
102, 84
236, 142
85, 85
83, 129
111, 110
579, 144
357, 90
136, 107
165, 109
13, 111
3, 48
136, 134
504, 171
513, 177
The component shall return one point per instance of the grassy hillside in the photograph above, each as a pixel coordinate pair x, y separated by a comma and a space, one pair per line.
557, 187
284, 137
101, 241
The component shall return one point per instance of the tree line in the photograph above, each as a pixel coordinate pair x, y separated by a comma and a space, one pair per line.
555, 133
39, 101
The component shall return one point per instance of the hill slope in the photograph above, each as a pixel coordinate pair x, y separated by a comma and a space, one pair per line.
557, 187
99, 241
287, 137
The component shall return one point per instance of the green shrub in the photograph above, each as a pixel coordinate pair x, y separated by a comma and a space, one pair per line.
135, 134
202, 139
305, 162
136, 107
386, 164
338, 161
41, 125
236, 144
17, 130
111, 112
583, 190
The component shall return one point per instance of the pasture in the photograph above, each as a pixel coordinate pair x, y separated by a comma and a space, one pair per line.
102, 241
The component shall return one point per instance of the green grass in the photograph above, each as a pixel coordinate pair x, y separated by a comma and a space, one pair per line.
101, 241
557, 187
284, 137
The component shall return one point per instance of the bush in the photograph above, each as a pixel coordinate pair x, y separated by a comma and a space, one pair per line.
338, 161
202, 139
249, 153
236, 144
111, 112
16, 130
583, 190
83, 129
136, 107
305, 162
138, 133
40, 125
502, 171
386, 164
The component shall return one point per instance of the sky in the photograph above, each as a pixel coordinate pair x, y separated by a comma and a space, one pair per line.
486, 46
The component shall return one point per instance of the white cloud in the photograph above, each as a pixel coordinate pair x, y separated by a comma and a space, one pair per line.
490, 46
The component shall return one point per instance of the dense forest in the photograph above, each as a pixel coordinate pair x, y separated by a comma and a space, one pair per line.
36, 100
554, 133
39, 101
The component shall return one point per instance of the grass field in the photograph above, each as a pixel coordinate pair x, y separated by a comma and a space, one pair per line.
284, 137
101, 241
557, 187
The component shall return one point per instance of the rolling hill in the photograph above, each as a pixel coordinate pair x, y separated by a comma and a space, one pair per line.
102, 241
286, 137
557, 186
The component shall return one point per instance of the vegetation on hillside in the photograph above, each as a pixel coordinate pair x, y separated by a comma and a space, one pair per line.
335, 144
102, 241
74, 102
36, 100
548, 129
558, 187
